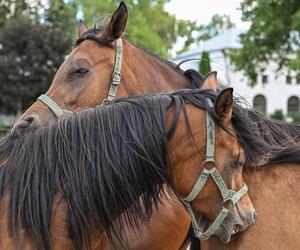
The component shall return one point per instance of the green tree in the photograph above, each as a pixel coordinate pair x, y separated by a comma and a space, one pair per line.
273, 36
278, 115
16, 8
60, 14
30, 54
57, 14
204, 64
149, 25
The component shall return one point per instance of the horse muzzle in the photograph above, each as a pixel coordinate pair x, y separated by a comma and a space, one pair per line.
236, 221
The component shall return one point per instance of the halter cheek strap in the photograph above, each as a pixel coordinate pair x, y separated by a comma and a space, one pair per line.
227, 194
116, 76
112, 92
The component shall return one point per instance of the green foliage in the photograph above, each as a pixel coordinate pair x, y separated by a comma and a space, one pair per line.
34, 39
30, 54
58, 14
2, 126
295, 117
278, 115
204, 64
10, 9
62, 15
273, 36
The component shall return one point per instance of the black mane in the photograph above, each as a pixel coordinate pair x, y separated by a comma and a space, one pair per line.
99, 161
102, 159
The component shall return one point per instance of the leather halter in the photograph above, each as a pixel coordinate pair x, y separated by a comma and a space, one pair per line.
115, 82
227, 194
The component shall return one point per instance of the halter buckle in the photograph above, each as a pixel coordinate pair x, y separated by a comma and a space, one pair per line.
116, 78
103, 102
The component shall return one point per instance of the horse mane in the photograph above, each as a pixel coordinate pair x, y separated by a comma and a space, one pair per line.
265, 141
109, 160
194, 77
64, 160
283, 137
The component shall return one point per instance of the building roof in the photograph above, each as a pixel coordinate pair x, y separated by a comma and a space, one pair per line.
228, 39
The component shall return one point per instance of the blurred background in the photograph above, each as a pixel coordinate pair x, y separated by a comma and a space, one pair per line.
253, 45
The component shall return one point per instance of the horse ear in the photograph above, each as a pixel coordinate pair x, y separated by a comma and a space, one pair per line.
223, 105
210, 81
82, 28
117, 23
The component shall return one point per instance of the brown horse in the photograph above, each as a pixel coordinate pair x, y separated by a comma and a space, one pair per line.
84, 80
99, 162
274, 189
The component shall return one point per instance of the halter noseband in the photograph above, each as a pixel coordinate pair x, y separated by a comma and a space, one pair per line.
112, 92
227, 194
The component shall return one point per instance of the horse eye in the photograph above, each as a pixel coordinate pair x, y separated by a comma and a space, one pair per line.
80, 71
239, 165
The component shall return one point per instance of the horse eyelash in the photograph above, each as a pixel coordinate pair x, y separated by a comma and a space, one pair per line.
76, 71
237, 161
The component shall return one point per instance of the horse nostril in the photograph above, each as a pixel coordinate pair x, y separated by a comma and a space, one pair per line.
30, 119
22, 125
254, 215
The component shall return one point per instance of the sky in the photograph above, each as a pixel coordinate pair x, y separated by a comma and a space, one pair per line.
203, 10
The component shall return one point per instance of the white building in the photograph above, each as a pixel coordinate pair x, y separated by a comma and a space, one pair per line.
275, 90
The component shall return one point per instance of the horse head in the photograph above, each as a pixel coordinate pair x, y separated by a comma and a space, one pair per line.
208, 188
102, 65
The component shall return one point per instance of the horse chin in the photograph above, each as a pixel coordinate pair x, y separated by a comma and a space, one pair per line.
234, 224
225, 232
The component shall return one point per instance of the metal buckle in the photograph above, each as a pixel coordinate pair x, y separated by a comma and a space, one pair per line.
104, 102
116, 78
211, 162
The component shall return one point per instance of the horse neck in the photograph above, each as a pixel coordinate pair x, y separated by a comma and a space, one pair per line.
280, 132
148, 73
